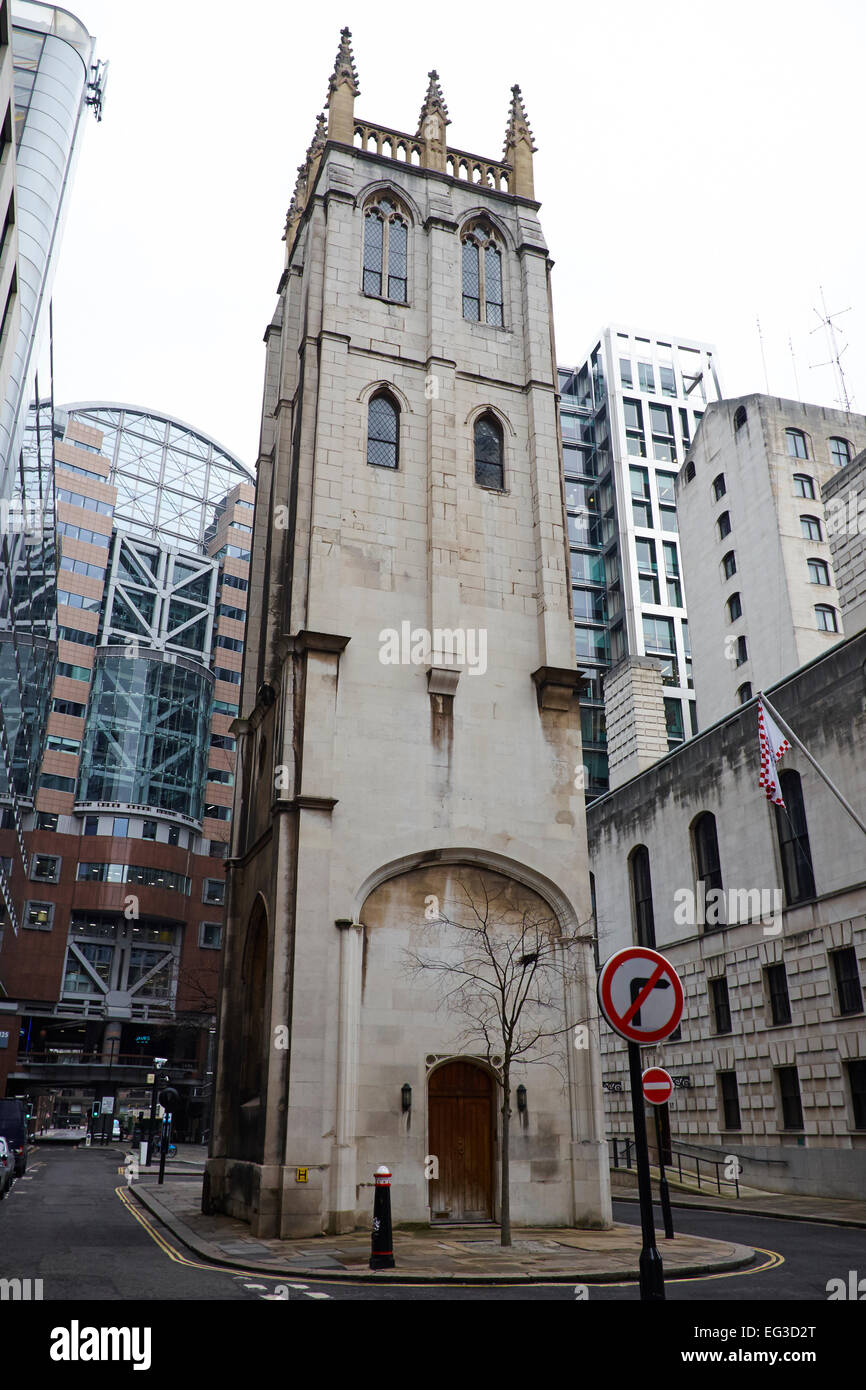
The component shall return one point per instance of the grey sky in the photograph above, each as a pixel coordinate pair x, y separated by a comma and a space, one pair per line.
698, 166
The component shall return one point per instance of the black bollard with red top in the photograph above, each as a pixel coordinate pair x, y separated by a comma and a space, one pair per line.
382, 1256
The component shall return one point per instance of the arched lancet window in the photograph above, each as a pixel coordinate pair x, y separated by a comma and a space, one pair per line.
706, 842
642, 896
386, 241
482, 276
744, 694
793, 833
383, 431
489, 468
254, 980
719, 486
739, 418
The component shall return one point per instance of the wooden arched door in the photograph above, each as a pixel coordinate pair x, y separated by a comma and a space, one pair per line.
461, 1125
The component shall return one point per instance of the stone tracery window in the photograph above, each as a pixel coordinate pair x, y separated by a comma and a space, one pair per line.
482, 276
386, 249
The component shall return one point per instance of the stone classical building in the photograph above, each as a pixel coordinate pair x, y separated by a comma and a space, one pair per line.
754, 539
410, 727
763, 915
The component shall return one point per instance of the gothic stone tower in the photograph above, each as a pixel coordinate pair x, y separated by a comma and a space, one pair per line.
409, 483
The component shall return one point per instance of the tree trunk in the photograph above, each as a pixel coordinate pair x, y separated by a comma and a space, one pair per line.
505, 1199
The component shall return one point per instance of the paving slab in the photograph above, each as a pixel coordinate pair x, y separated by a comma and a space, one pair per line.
436, 1254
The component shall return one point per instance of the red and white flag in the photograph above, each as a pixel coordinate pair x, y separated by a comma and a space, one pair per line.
773, 745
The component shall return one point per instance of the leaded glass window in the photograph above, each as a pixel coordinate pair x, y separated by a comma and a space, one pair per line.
482, 277
386, 242
383, 432
489, 470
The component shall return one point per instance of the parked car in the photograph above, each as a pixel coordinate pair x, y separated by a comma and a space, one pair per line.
13, 1128
7, 1168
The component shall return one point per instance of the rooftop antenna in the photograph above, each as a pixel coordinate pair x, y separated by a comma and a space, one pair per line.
763, 358
835, 359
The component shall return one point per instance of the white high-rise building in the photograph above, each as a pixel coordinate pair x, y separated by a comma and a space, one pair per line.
629, 414
754, 533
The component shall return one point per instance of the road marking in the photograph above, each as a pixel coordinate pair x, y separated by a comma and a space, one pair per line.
773, 1261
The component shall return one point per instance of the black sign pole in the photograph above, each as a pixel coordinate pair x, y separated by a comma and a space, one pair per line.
652, 1281
664, 1194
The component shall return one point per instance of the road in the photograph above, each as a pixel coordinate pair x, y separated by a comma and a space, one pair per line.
65, 1223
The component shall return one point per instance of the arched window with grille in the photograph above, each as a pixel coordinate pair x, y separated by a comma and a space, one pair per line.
386, 243
642, 896
489, 465
383, 431
797, 871
482, 276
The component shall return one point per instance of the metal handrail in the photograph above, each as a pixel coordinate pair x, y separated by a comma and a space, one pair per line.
80, 1058
679, 1154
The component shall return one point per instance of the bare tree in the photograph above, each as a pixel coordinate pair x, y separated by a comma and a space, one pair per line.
504, 970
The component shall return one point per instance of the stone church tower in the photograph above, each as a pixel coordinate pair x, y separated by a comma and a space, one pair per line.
410, 725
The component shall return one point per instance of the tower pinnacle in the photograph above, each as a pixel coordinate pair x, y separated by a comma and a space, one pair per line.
342, 90
432, 123
519, 146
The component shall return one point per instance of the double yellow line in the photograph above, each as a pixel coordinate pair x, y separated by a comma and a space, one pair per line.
774, 1259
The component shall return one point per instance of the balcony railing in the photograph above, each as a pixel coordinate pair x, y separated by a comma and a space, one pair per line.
82, 1058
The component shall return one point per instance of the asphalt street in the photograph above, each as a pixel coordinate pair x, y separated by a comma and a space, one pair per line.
70, 1222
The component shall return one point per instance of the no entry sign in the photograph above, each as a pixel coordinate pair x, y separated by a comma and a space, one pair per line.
640, 995
657, 1085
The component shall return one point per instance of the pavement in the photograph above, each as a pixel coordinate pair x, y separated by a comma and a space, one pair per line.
439, 1254
836, 1211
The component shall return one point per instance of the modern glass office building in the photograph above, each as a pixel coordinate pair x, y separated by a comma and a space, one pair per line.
133, 782
628, 415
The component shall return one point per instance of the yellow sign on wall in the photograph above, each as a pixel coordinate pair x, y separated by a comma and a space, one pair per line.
301, 1174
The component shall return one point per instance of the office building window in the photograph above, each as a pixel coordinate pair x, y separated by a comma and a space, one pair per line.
826, 618
789, 1095
706, 845
723, 525
668, 381
840, 452
795, 442
776, 982
804, 486
642, 896
847, 976
148, 830
735, 608
739, 418
214, 890
819, 572
857, 1082
210, 935
672, 574
721, 1005
730, 1099
719, 487
625, 372
742, 655
645, 377
38, 916
793, 836
45, 868
634, 431
729, 564
744, 693
640, 493
810, 527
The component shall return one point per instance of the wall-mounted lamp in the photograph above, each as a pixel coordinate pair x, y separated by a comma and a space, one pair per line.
406, 1097
521, 1099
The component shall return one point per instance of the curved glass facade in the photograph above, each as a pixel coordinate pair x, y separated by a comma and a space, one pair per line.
146, 740
169, 476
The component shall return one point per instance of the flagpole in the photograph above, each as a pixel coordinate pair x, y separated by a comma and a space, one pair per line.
789, 733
